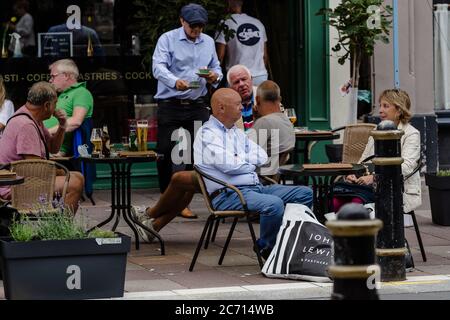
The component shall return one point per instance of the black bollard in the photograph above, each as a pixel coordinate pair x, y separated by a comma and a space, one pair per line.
354, 271
389, 201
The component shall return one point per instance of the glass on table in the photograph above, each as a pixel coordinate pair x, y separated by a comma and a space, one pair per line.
96, 139
142, 133
291, 114
124, 143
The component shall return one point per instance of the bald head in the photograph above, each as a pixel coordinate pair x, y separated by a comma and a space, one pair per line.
226, 106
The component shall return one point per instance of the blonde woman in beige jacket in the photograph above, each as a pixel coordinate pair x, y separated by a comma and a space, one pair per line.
395, 105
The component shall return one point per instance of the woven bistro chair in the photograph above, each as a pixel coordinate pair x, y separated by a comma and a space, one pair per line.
38, 190
356, 137
216, 215
355, 141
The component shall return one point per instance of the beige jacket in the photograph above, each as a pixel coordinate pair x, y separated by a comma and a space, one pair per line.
410, 144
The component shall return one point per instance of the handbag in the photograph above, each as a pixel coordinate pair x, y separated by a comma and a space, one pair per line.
345, 189
303, 250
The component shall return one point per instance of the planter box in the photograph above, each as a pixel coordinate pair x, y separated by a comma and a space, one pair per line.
439, 190
64, 269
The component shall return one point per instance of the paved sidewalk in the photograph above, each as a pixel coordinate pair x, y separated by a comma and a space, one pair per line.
148, 271
152, 276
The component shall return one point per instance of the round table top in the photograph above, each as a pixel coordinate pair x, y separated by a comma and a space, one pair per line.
132, 159
12, 181
298, 171
304, 136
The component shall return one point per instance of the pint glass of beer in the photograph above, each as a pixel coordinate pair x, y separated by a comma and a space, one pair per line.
141, 132
96, 139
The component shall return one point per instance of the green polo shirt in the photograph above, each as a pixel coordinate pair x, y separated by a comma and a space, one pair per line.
76, 95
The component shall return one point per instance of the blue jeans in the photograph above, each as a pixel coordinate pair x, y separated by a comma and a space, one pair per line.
269, 202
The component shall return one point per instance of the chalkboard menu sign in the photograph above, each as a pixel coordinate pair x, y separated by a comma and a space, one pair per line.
55, 44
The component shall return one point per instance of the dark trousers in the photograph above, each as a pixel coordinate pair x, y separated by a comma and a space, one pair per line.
172, 116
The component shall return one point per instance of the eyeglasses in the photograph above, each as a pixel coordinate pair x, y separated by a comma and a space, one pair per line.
196, 25
53, 76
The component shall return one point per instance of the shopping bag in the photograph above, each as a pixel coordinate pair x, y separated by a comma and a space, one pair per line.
303, 250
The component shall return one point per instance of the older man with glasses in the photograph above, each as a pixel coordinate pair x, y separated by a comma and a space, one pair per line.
184, 63
74, 98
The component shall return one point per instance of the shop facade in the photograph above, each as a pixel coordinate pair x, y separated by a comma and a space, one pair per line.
106, 40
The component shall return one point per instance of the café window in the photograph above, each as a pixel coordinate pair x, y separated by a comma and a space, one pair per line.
99, 35
112, 41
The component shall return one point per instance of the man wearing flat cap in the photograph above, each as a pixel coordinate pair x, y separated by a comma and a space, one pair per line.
179, 62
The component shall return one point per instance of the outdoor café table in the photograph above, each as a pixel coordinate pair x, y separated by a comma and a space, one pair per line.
11, 181
121, 189
322, 177
312, 136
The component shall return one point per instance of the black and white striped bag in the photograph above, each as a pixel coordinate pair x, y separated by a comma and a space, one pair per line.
303, 250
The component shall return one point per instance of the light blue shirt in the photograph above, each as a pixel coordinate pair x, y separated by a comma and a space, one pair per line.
176, 57
227, 154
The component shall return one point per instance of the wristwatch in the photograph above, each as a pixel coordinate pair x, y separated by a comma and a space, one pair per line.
219, 78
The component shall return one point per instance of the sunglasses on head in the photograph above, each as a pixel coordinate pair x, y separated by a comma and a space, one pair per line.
196, 25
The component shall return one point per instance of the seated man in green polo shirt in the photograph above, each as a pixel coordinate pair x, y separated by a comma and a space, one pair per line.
73, 98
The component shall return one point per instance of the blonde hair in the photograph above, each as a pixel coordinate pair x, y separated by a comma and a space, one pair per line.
66, 66
400, 99
2, 93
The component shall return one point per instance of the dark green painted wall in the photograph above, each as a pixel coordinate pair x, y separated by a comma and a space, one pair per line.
309, 49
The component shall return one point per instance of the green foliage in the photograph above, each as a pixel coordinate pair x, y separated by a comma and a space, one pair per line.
443, 173
22, 230
59, 227
352, 19
99, 233
53, 226
154, 17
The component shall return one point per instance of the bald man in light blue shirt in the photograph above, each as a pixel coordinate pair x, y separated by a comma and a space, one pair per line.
225, 152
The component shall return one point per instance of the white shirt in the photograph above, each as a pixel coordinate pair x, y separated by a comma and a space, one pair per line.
6, 112
227, 154
247, 46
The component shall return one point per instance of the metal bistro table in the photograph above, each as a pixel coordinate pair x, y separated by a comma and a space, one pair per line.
321, 179
121, 192
308, 137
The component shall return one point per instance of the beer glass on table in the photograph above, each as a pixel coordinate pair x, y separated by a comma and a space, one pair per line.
96, 139
141, 133
290, 113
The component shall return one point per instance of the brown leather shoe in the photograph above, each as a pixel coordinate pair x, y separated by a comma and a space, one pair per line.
187, 214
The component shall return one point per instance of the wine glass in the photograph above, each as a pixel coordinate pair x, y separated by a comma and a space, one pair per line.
290, 113
96, 139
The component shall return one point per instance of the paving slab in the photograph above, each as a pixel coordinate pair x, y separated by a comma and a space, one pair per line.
240, 265
152, 276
